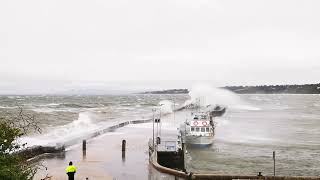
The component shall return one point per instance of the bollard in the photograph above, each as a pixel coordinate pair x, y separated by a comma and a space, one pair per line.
84, 145
84, 149
123, 150
123, 156
123, 145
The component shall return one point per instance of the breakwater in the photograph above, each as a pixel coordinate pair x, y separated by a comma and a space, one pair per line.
34, 151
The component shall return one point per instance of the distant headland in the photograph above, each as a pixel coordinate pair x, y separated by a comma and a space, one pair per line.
264, 89
276, 89
168, 91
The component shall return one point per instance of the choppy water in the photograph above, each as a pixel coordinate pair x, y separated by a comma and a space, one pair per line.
63, 118
245, 136
245, 139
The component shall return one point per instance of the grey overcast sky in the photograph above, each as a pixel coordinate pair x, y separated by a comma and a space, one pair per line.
47, 43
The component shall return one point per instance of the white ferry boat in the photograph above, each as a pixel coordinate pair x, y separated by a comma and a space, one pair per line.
199, 130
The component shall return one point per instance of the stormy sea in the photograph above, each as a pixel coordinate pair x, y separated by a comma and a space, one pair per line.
253, 127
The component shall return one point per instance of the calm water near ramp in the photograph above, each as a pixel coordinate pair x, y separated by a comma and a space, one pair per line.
245, 136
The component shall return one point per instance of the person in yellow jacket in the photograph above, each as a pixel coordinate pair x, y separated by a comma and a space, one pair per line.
71, 170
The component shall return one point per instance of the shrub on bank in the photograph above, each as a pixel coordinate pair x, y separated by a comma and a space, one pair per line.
12, 165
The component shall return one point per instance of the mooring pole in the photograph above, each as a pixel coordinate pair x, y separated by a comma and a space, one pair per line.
123, 145
84, 148
274, 165
84, 145
123, 150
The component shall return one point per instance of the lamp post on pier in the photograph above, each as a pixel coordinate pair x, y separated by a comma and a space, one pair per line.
274, 164
153, 111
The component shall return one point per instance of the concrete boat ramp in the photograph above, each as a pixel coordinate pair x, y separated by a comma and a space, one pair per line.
104, 158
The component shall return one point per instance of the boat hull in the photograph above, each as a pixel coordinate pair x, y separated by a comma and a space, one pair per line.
199, 140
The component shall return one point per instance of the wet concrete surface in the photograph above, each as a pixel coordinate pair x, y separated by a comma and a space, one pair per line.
104, 158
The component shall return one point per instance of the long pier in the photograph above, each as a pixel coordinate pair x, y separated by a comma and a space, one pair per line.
34, 151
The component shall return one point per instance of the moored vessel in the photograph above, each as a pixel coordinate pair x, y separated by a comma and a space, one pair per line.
199, 130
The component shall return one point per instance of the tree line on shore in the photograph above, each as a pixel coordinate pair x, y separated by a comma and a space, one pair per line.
263, 89
276, 89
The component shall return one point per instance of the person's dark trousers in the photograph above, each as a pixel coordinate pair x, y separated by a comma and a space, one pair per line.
71, 175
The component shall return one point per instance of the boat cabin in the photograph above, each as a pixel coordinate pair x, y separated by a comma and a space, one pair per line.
200, 125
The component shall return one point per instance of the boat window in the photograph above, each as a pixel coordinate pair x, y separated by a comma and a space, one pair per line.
207, 129
203, 129
197, 129
192, 129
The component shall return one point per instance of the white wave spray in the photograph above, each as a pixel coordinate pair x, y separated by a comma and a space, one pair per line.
209, 95
78, 128
166, 106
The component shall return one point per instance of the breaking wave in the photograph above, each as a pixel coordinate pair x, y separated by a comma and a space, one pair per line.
166, 106
75, 130
204, 94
